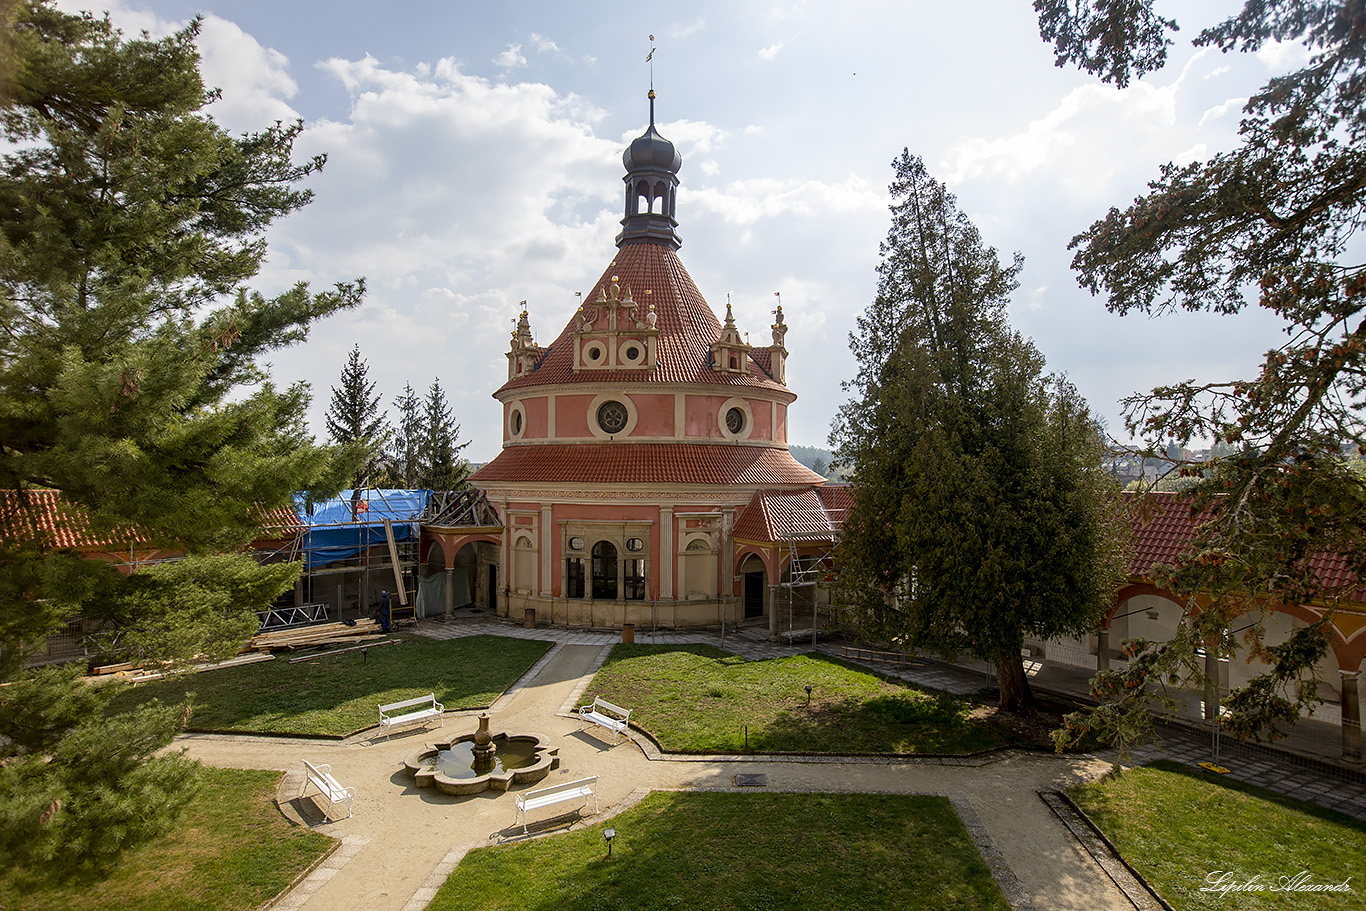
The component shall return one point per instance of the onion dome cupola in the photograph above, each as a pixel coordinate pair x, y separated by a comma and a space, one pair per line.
651, 180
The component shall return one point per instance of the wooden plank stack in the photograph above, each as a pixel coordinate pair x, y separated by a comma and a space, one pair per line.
318, 634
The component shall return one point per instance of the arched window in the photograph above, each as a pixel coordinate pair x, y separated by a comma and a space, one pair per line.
605, 570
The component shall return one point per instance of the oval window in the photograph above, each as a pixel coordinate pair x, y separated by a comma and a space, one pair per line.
576, 543
635, 545
516, 423
735, 420
612, 417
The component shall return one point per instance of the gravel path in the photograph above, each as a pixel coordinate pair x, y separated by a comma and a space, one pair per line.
401, 842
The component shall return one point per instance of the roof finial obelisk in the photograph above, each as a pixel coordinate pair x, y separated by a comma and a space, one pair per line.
650, 59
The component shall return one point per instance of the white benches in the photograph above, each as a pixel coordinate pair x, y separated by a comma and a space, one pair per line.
560, 793
605, 714
320, 776
409, 711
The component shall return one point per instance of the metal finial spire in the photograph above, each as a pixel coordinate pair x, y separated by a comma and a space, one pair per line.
650, 58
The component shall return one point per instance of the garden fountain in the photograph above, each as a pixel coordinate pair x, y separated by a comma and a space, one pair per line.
476, 762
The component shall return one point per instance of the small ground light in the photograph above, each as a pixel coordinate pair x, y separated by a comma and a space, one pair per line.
608, 835
808, 694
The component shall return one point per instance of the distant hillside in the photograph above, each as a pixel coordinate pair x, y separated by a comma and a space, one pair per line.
810, 456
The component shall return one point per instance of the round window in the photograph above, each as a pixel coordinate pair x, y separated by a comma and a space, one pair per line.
594, 353
735, 420
635, 545
632, 353
576, 543
612, 417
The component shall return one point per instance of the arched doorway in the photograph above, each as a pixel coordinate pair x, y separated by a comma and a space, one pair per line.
755, 589
605, 571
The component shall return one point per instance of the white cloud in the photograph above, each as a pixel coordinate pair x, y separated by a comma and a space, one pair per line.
511, 58
1282, 56
1233, 104
746, 201
255, 80
1087, 117
1088, 139
678, 30
768, 53
692, 137
543, 44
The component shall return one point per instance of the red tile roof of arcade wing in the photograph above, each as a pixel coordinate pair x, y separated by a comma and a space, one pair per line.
1163, 529
44, 517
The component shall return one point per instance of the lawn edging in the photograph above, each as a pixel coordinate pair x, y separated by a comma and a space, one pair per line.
303, 875
655, 752
1110, 846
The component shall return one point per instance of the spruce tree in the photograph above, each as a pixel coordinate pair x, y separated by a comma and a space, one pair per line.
354, 415
405, 449
130, 342
441, 465
982, 513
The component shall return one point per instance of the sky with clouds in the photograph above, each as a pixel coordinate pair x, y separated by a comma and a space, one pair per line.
474, 162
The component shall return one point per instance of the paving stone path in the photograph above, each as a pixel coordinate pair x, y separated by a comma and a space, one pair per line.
401, 842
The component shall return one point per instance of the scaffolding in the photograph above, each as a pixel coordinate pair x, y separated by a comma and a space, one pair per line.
373, 532
806, 571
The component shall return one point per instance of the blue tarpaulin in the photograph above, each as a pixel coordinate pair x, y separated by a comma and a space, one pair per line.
354, 522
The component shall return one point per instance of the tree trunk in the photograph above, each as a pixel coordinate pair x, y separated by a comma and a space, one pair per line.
1013, 684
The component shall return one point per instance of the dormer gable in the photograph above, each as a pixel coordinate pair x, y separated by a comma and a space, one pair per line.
614, 332
730, 352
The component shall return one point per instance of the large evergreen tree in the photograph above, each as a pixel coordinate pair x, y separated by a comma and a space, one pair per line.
354, 414
404, 453
982, 512
440, 465
130, 227
1275, 223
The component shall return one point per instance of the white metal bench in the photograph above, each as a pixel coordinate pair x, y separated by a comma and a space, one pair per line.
605, 714
422, 709
560, 793
320, 776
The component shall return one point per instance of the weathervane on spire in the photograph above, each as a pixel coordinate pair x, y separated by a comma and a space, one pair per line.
649, 58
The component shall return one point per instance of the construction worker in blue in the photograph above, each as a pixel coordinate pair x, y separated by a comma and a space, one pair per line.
384, 611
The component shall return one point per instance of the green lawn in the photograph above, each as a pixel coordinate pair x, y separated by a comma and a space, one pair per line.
231, 849
1184, 829
704, 851
339, 695
701, 699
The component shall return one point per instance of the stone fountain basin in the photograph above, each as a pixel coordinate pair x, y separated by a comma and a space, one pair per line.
426, 776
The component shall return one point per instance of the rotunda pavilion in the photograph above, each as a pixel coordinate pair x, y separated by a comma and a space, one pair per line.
645, 476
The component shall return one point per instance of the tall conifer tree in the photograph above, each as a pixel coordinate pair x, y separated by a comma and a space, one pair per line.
354, 414
982, 514
130, 228
442, 468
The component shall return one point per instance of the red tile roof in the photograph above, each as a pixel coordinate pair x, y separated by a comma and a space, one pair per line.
1164, 527
811, 514
43, 516
687, 327
646, 463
